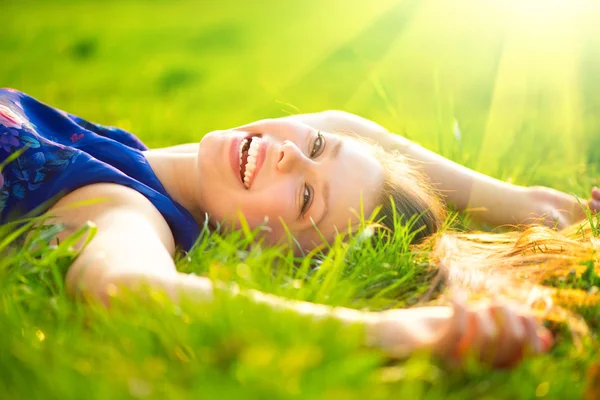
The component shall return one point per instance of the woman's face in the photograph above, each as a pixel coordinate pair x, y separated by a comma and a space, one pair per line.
280, 172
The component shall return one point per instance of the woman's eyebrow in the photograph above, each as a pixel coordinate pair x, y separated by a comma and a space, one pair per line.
335, 151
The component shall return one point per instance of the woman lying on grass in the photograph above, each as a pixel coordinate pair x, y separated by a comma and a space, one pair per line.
294, 177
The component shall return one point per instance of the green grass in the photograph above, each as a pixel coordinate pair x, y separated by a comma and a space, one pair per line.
509, 88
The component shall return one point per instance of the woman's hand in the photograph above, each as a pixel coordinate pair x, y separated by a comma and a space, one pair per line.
594, 203
499, 334
558, 209
495, 333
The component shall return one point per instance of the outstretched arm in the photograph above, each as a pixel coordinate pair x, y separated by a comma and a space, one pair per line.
490, 199
133, 248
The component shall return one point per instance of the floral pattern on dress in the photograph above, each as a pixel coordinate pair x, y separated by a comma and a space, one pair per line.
11, 115
9, 118
38, 162
52, 158
10, 123
9, 139
76, 138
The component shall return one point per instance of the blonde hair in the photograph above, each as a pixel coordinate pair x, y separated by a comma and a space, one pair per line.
512, 264
407, 194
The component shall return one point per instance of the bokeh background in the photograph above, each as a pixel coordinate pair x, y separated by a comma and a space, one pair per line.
507, 87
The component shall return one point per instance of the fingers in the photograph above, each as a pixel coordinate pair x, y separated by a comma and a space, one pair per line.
485, 335
531, 329
499, 334
540, 337
522, 335
451, 343
594, 205
460, 318
469, 339
472, 331
512, 338
546, 339
596, 193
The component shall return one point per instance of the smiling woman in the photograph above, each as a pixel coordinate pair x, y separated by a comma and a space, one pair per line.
307, 177
294, 178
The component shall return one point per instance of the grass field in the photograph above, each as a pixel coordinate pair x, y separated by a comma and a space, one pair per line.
508, 88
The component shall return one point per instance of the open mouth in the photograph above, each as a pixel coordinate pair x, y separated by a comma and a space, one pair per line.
248, 154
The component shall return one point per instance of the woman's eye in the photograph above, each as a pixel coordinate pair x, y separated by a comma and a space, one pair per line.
306, 199
318, 145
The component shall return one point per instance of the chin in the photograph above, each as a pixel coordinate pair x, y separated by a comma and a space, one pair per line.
205, 144
211, 142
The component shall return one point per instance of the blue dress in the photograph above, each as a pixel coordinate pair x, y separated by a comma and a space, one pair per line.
46, 153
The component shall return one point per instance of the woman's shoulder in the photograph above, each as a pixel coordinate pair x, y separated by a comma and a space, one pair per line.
97, 197
46, 152
96, 201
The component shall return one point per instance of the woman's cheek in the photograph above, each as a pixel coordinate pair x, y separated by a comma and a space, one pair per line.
262, 211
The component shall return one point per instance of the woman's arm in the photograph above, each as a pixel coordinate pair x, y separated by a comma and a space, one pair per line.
131, 238
133, 248
180, 148
490, 199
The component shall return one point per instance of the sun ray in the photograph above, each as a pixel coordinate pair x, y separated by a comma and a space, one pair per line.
350, 61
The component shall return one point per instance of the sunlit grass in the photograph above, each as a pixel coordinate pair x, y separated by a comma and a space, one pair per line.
509, 88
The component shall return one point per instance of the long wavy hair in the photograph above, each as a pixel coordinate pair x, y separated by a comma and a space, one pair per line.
516, 264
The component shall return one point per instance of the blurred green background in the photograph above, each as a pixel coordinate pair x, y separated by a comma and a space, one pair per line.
506, 87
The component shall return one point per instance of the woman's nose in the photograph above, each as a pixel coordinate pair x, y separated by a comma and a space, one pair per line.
290, 157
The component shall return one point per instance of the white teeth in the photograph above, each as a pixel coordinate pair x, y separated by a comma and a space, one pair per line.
247, 177
242, 144
253, 149
252, 158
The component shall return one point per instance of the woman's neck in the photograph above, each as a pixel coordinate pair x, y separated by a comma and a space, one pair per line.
177, 172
